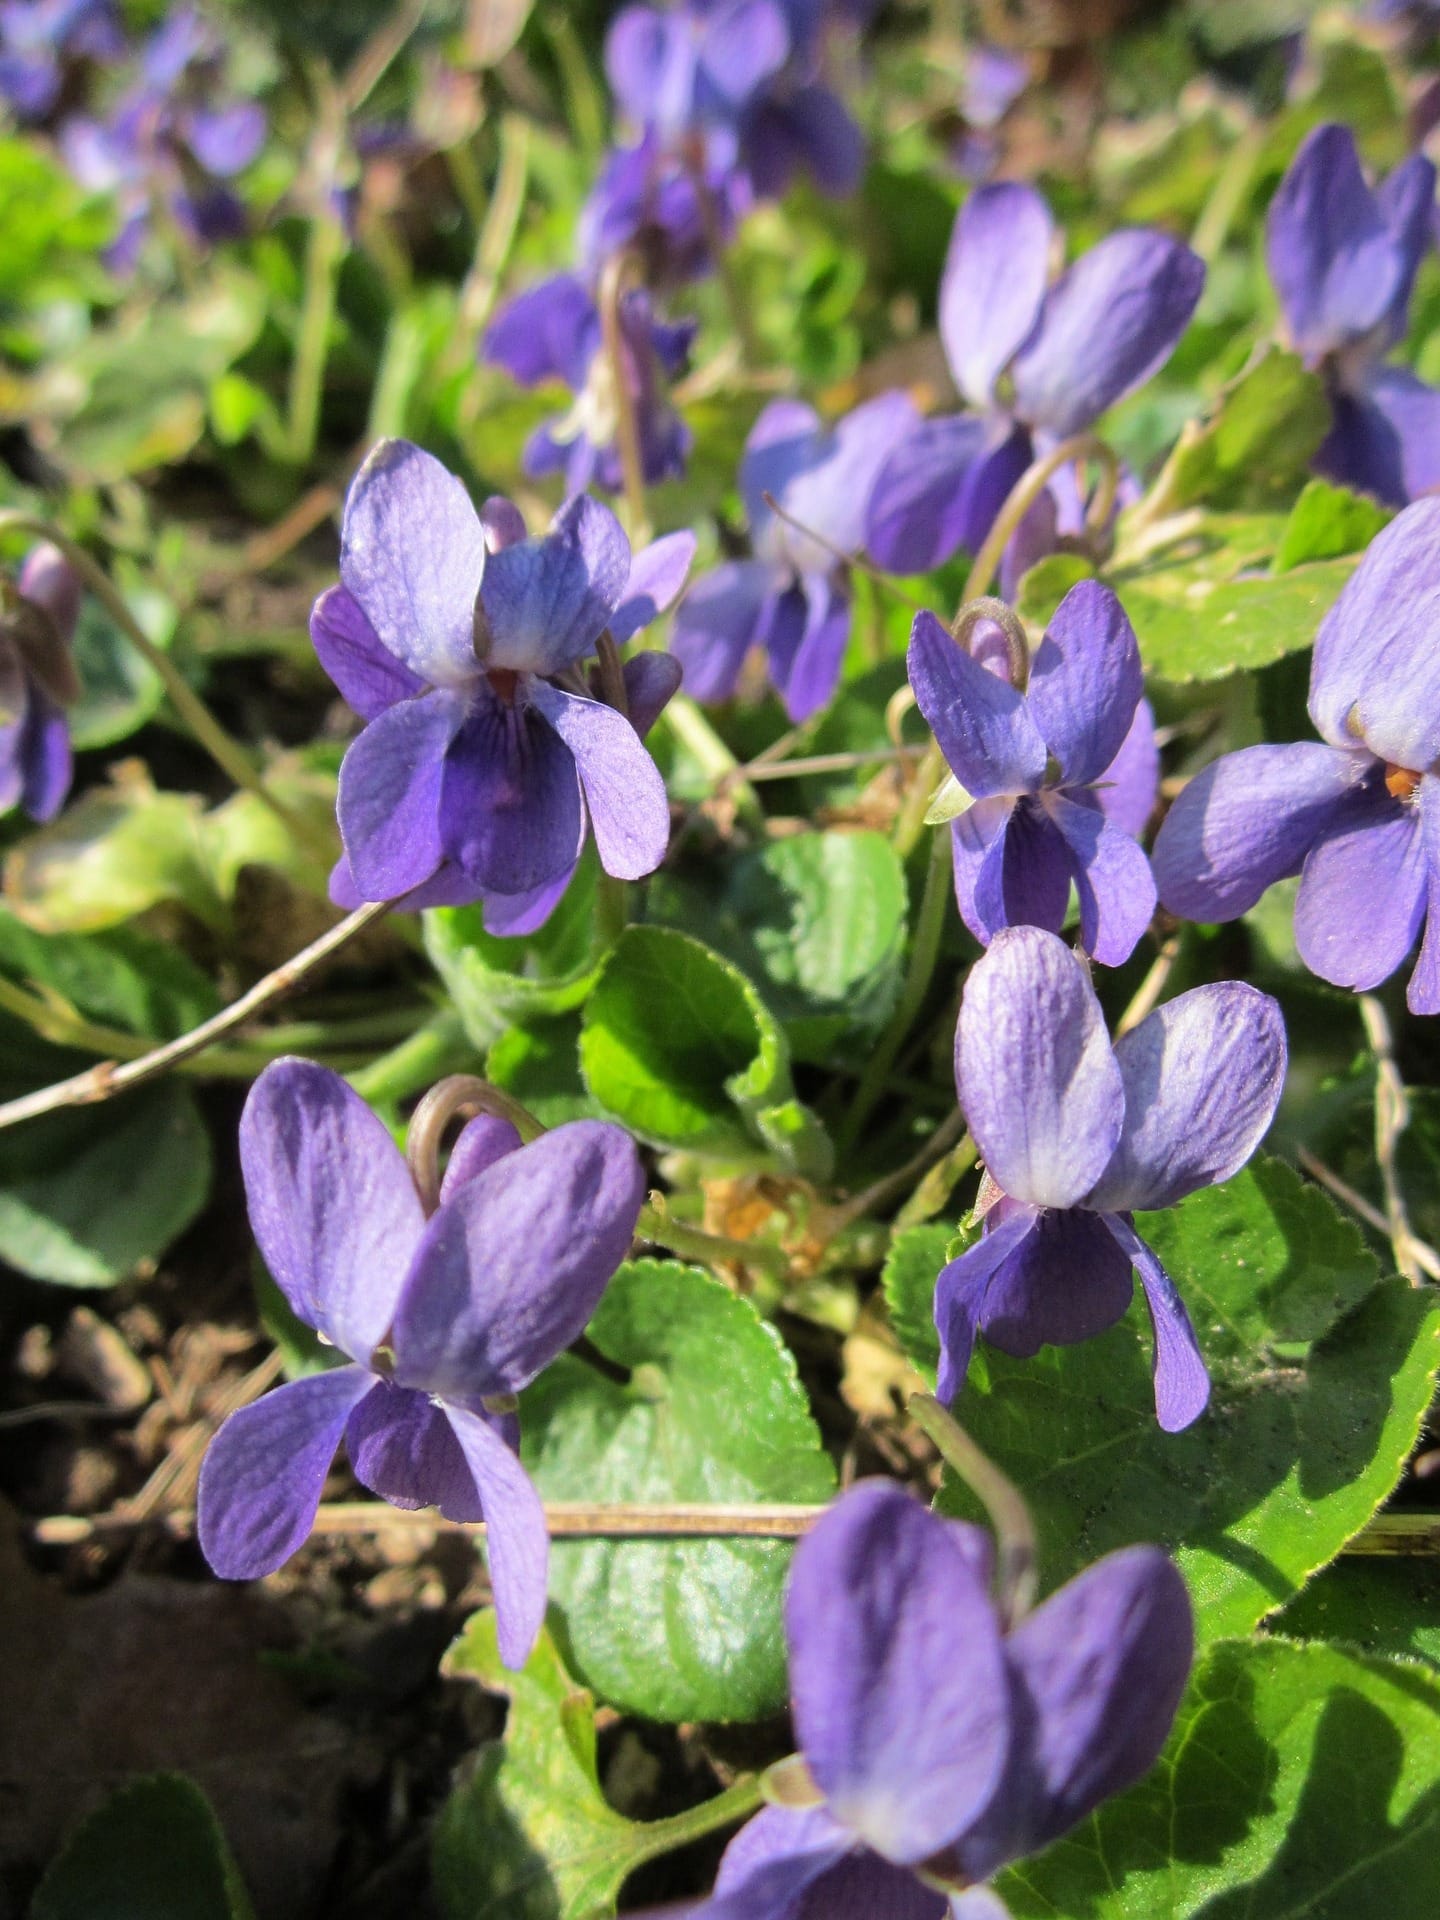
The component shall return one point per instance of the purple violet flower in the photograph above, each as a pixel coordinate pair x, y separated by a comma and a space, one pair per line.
946, 1745
1040, 361
793, 598
458, 641
1357, 818
669, 209
1077, 1136
170, 142
1055, 780
40, 40
37, 682
1344, 261
439, 1318
553, 332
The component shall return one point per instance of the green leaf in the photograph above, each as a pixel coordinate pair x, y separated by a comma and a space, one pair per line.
88, 1196
154, 1851
120, 691
493, 981
44, 216
1300, 1783
1046, 584
1378, 1603
1321, 1378
1256, 443
540, 1065
679, 1047
713, 1412
911, 1267
120, 978
1327, 522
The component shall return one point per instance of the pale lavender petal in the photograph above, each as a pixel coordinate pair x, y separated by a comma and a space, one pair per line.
1129, 787
511, 816
1111, 320
391, 786
1362, 893
511, 915
786, 439
1182, 1385
368, 675
412, 552
1065, 1282
549, 332
481, 1142
961, 1288
226, 139
511, 1268
1423, 993
651, 682
402, 1447
1086, 682
1406, 200
982, 725
919, 509
503, 522
994, 284
977, 847
547, 601
1036, 1074
1203, 1076
657, 576
897, 1673
624, 791
807, 673
716, 627
332, 1205
831, 492
1333, 259
517, 1545
265, 1470
1246, 821
1112, 878
745, 41
650, 61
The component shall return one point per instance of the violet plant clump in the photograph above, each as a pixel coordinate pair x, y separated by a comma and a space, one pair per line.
1077, 1136
442, 1316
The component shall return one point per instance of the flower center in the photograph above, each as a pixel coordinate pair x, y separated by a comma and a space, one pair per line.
504, 681
1401, 782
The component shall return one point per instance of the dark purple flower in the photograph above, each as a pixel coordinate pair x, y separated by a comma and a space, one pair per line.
441, 1319
793, 598
943, 1746
37, 682
458, 640
1357, 818
41, 39
671, 209
1344, 261
553, 332
1077, 1136
1054, 781
1040, 361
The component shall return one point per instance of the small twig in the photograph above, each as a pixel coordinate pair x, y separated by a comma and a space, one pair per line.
1147, 994
1425, 1255
855, 560
947, 1135
178, 1471
1396, 1534
763, 770
1392, 1117
45, 1410
105, 1079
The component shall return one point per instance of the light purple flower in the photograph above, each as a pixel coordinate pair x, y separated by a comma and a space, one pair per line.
1057, 779
1344, 260
667, 206
37, 682
1077, 1136
440, 1319
459, 642
1040, 362
793, 597
40, 40
945, 1746
553, 332
1358, 818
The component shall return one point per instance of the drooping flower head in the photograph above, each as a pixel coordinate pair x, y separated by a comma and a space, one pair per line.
41, 41
441, 1320
1357, 818
173, 141
459, 641
553, 332
1077, 1135
1055, 781
1344, 260
942, 1746
37, 682
1039, 361
793, 597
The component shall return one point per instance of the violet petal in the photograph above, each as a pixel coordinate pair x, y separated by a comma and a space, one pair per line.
391, 787
368, 675
517, 1545
548, 601
624, 791
1086, 682
993, 284
982, 725
1182, 1385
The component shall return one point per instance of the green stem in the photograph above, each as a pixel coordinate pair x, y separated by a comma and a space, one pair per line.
324, 252
432, 1051
737, 1802
656, 1224
1015, 1560
924, 952
700, 740
227, 754
612, 910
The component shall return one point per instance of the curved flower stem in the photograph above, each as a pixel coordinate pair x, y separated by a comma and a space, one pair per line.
227, 754
969, 615
1392, 1117
1028, 489
655, 1224
104, 1080
1016, 1557
737, 1802
924, 951
618, 269
458, 1096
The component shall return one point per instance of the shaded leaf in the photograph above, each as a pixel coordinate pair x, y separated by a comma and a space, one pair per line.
154, 1851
